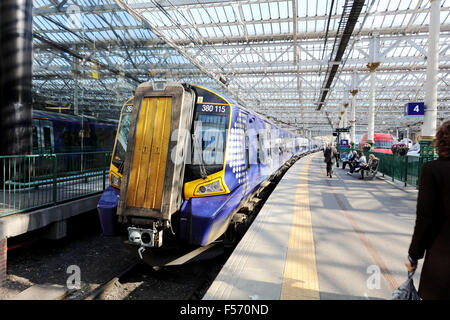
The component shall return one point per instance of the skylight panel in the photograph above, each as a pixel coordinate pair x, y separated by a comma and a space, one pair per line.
247, 12
259, 29
377, 22
255, 11
444, 16
265, 13
404, 5
284, 14
212, 14
217, 31
229, 14
276, 28
301, 25
422, 18
196, 15
311, 26
251, 30
204, 15
392, 5
388, 20
312, 8
275, 13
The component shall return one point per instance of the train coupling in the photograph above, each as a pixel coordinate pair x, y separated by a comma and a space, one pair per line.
145, 238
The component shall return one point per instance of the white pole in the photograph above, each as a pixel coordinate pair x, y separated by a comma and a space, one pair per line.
345, 119
372, 66
371, 129
431, 84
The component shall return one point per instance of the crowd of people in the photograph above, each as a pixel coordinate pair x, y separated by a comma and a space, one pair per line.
356, 161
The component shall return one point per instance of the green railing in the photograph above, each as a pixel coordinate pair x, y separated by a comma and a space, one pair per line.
34, 181
402, 168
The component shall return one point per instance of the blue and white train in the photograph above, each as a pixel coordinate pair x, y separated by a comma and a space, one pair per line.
184, 161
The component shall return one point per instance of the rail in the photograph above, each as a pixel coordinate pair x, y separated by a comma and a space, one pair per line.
34, 181
401, 168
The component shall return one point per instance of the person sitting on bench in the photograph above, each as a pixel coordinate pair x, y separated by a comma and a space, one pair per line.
373, 162
352, 157
361, 162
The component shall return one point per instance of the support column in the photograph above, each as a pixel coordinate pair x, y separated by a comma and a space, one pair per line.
76, 75
353, 118
371, 130
15, 71
3, 252
431, 84
346, 119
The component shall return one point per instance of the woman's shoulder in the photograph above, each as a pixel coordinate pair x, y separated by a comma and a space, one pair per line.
439, 164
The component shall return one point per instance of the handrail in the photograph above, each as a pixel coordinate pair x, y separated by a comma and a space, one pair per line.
401, 168
67, 177
51, 154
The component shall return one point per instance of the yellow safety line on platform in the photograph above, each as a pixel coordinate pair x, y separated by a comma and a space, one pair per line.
300, 280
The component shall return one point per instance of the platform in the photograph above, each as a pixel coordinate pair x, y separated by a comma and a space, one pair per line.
320, 238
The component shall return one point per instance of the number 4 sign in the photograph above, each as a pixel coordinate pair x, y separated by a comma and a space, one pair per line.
414, 109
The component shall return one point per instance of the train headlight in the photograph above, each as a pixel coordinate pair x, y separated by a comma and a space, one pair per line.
212, 187
115, 180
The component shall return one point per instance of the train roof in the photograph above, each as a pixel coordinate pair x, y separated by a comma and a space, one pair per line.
379, 136
41, 114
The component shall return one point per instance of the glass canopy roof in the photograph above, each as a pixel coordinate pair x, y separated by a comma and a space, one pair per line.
271, 56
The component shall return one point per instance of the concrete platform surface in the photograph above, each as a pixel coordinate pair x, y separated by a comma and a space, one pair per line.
42, 292
321, 238
17, 224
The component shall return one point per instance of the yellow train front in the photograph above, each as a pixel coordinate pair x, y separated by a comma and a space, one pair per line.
184, 160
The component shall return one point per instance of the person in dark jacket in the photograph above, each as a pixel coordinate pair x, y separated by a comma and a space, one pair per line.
431, 235
330, 154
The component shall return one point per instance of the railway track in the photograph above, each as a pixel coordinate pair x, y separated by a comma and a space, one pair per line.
134, 279
108, 285
199, 274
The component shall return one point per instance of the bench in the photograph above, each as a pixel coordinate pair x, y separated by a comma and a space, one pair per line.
372, 171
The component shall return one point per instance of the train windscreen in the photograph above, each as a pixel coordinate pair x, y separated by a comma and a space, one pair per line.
122, 138
209, 136
383, 144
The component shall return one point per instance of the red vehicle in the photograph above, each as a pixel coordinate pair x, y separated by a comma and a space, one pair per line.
383, 142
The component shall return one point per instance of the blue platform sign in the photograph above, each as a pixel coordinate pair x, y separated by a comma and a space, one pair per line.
414, 109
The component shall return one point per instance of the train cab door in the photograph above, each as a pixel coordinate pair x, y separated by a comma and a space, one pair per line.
253, 165
47, 138
43, 139
246, 144
36, 136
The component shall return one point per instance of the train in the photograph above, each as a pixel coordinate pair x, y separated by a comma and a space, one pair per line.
54, 132
184, 161
382, 142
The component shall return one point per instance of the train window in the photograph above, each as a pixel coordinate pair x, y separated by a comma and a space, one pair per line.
47, 138
247, 150
122, 138
210, 132
261, 154
269, 136
209, 136
35, 138
383, 144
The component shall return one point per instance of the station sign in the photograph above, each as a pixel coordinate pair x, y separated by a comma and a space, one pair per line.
344, 143
342, 129
414, 109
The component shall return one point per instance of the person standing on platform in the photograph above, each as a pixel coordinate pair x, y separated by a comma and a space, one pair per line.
336, 155
329, 154
431, 235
